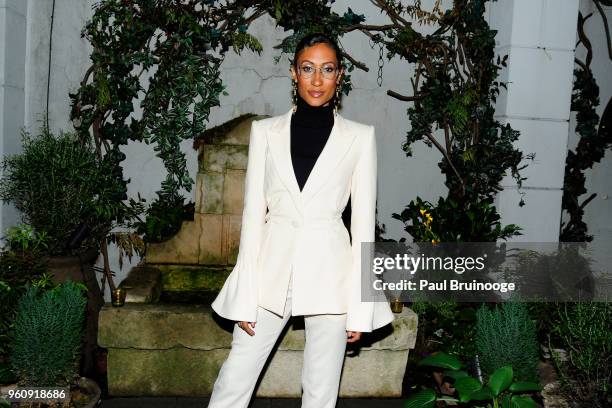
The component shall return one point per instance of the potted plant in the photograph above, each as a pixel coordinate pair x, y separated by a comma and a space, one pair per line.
46, 348
62, 191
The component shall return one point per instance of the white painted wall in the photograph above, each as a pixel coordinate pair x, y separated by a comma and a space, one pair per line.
12, 93
537, 102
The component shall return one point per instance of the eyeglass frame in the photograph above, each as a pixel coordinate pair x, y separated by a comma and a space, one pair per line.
320, 69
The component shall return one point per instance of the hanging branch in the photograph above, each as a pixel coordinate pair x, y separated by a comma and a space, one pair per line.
130, 40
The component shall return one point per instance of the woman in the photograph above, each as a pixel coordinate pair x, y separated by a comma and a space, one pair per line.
297, 259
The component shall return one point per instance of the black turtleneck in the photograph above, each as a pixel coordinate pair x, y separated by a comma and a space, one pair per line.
310, 129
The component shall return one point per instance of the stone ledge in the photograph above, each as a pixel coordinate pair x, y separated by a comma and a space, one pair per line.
164, 326
187, 372
177, 350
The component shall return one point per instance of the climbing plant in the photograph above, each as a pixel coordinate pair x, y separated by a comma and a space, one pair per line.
161, 57
455, 87
595, 138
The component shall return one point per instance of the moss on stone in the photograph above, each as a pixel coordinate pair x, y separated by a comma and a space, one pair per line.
193, 278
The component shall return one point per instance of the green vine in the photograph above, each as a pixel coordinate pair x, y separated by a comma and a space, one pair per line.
165, 54
455, 89
594, 139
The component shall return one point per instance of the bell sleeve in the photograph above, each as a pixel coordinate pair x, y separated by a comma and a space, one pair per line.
364, 316
237, 299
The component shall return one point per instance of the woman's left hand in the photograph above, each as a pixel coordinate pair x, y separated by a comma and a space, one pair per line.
353, 336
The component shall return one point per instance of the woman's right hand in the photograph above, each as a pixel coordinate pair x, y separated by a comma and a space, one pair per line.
245, 326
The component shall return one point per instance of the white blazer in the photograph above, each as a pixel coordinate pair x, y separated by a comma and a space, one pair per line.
303, 232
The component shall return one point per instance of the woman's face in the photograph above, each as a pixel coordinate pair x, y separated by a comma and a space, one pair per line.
316, 90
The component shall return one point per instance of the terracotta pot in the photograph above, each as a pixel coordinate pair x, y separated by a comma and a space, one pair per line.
79, 268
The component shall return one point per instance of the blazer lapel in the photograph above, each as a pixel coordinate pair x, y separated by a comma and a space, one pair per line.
279, 140
278, 143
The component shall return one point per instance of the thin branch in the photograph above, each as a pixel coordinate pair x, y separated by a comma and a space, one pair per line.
396, 18
582, 64
446, 137
87, 74
369, 27
584, 39
254, 17
406, 98
446, 156
356, 63
588, 200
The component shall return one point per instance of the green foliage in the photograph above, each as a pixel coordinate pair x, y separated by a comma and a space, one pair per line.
584, 331
164, 219
442, 360
447, 325
7, 376
455, 90
507, 335
17, 270
591, 148
24, 238
451, 221
48, 335
58, 185
501, 390
166, 57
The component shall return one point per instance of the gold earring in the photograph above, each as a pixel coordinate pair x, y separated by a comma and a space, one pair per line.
294, 97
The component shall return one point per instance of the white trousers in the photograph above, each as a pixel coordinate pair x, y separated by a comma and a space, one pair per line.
323, 359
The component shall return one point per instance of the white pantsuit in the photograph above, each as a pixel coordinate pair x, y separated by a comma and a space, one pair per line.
323, 359
288, 235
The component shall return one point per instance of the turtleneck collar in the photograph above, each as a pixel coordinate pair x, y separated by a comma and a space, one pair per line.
314, 116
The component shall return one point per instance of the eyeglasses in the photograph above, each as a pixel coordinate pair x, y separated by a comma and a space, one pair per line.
307, 71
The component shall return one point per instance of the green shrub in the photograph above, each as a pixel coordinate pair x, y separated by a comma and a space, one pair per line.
57, 184
17, 270
584, 331
507, 336
446, 326
49, 329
